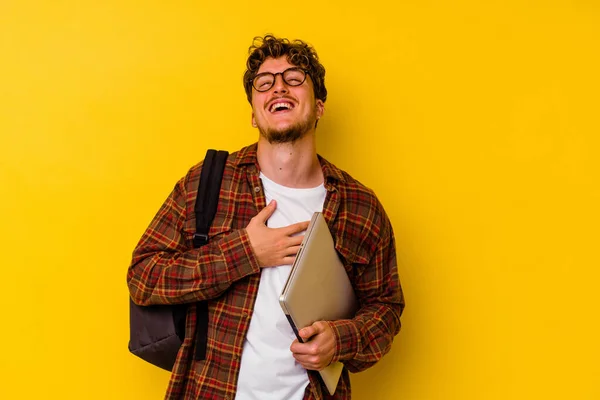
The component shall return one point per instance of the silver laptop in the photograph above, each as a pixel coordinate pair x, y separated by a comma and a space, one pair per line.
318, 288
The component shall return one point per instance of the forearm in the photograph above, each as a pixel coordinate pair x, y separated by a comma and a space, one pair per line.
365, 339
169, 276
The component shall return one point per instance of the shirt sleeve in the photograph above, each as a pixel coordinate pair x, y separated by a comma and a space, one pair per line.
165, 271
363, 340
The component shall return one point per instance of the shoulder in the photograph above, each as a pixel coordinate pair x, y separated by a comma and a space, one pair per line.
363, 207
355, 197
361, 221
236, 161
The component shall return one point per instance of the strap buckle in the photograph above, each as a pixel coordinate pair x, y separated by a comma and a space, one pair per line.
200, 239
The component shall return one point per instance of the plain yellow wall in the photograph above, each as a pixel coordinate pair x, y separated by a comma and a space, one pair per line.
476, 123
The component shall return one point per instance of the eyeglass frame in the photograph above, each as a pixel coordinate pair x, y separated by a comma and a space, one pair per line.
282, 78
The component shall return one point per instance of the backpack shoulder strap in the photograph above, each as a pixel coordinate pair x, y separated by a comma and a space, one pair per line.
207, 198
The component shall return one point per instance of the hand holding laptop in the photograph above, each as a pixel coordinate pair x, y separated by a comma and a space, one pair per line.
319, 345
274, 246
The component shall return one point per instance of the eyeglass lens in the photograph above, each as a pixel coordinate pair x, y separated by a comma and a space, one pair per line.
291, 76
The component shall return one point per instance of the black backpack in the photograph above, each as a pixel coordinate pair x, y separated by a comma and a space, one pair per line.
157, 332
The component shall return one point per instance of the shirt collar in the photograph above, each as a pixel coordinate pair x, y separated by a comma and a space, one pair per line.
247, 155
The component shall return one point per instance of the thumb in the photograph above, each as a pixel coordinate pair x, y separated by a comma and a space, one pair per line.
266, 212
307, 332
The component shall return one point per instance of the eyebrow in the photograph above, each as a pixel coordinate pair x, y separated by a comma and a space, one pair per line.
271, 72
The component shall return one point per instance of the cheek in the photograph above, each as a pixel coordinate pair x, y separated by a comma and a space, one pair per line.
255, 100
258, 106
260, 114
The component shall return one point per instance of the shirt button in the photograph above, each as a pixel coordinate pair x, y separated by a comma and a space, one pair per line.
256, 189
236, 357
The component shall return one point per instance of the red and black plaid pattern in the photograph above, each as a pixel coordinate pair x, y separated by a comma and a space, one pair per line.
166, 269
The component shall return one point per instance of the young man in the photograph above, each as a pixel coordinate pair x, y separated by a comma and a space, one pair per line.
269, 192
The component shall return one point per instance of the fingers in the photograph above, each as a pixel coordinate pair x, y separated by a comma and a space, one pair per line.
295, 240
274, 246
295, 228
266, 212
318, 352
311, 355
292, 251
289, 260
298, 348
290, 256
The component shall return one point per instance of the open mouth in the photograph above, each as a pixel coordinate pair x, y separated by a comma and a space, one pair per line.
280, 107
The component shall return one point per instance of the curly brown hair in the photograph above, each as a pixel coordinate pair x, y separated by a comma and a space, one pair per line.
297, 53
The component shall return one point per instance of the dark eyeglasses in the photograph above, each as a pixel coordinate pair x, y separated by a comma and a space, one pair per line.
292, 76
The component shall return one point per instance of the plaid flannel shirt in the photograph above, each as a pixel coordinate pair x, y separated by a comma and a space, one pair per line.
166, 269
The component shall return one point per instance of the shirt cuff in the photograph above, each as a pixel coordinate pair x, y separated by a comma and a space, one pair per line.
347, 339
238, 255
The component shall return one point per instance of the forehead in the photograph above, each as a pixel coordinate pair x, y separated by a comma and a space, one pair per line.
274, 65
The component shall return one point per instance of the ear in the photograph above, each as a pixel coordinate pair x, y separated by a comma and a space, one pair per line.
253, 121
320, 108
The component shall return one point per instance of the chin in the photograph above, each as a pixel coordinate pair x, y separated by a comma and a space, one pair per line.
286, 134
283, 136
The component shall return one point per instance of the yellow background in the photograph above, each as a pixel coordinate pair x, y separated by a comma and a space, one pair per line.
475, 122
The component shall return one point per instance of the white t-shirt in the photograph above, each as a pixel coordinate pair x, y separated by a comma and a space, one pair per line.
268, 370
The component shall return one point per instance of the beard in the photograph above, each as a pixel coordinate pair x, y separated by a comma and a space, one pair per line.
288, 134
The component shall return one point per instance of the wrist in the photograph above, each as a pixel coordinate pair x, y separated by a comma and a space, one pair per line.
347, 341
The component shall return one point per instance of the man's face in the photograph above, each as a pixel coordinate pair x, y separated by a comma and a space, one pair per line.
290, 123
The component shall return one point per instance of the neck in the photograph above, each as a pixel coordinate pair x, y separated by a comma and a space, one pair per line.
291, 164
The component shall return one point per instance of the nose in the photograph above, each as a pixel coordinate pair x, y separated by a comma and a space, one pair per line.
279, 86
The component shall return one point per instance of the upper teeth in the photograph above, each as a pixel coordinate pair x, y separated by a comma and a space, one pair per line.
277, 105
